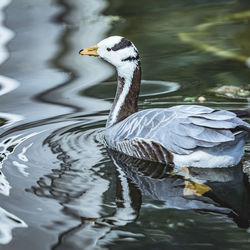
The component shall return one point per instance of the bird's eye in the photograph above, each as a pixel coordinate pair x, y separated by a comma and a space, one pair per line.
108, 49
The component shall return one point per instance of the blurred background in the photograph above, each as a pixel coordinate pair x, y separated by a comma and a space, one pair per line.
59, 187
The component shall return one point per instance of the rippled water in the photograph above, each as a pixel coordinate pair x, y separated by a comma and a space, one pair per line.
59, 186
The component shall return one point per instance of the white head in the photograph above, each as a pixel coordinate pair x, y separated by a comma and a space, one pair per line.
121, 53
116, 50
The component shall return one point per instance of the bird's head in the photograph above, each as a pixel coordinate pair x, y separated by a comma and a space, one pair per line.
116, 50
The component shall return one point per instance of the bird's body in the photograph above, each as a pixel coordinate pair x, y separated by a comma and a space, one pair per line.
189, 135
186, 135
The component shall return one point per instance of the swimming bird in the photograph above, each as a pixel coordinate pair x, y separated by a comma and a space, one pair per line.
184, 135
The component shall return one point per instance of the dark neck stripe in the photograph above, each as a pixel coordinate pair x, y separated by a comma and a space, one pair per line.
131, 58
124, 43
129, 105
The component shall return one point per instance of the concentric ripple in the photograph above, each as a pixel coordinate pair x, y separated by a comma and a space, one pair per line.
64, 164
69, 185
106, 90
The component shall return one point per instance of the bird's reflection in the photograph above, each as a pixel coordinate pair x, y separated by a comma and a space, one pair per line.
102, 216
223, 190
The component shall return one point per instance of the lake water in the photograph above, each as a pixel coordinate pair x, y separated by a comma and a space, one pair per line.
60, 188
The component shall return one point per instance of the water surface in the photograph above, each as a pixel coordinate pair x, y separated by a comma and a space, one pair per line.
60, 188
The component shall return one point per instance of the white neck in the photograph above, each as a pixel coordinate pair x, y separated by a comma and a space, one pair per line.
125, 102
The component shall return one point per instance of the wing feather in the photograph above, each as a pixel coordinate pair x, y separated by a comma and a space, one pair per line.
219, 115
179, 129
217, 124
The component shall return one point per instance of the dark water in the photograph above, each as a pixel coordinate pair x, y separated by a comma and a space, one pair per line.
60, 188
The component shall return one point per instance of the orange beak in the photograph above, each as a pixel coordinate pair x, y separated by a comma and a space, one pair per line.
91, 51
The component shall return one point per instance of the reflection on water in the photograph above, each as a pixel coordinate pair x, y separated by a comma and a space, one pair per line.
106, 90
7, 119
80, 186
8, 222
59, 187
7, 85
8, 147
6, 34
206, 32
214, 190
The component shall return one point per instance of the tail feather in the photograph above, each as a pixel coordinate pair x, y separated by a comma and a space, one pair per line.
243, 114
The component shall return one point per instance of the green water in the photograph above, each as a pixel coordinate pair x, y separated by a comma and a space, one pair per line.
156, 26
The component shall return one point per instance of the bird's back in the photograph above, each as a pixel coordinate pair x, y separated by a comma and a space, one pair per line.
161, 134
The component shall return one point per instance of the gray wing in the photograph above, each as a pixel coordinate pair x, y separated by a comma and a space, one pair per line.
180, 129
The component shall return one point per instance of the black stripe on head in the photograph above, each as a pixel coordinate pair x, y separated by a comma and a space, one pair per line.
124, 43
131, 58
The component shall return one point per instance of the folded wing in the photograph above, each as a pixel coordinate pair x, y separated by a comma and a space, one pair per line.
179, 129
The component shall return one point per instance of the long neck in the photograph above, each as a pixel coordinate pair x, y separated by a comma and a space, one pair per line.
127, 92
